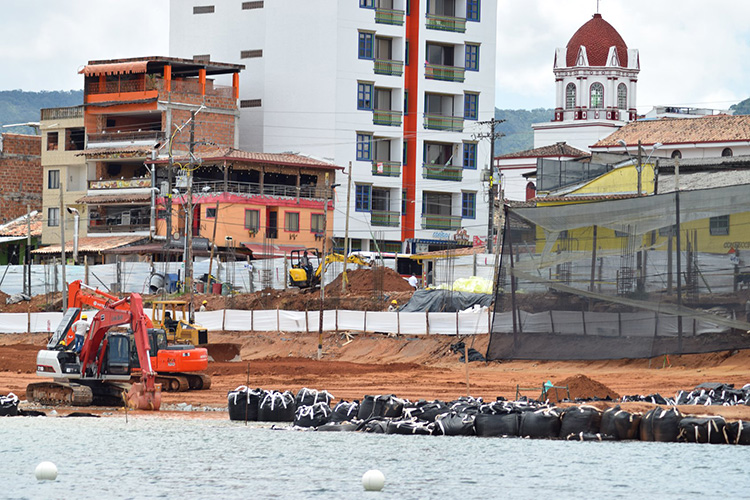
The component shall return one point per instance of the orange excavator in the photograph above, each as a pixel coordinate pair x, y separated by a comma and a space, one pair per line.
100, 373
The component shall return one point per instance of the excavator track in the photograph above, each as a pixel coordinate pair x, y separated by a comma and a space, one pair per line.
55, 393
180, 382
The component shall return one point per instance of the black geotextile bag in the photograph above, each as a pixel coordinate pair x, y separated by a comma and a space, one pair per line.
497, 424
708, 429
454, 424
661, 425
345, 411
313, 415
380, 406
620, 424
411, 426
337, 427
425, 410
374, 425
580, 419
276, 407
738, 432
466, 404
540, 424
9, 405
308, 397
243, 403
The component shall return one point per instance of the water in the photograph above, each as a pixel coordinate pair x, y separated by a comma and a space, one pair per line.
174, 458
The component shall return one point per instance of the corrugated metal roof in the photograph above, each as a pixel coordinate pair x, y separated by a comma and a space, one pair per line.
126, 151
91, 244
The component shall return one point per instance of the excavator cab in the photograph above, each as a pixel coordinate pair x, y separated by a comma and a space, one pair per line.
118, 354
305, 268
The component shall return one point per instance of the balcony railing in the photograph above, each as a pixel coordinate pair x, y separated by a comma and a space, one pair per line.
443, 122
386, 168
143, 182
446, 23
254, 188
62, 113
119, 87
444, 222
386, 117
389, 16
442, 172
115, 228
385, 218
138, 136
445, 73
388, 67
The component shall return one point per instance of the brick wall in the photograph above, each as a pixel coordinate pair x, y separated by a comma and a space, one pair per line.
214, 129
20, 175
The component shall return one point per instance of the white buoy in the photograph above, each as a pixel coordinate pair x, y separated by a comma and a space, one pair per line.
46, 471
373, 480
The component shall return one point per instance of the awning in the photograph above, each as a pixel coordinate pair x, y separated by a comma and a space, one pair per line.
270, 251
114, 68
91, 244
112, 199
7, 239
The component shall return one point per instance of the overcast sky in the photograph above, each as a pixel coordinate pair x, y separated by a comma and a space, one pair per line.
693, 52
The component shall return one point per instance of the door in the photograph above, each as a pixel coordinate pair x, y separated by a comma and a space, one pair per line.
272, 224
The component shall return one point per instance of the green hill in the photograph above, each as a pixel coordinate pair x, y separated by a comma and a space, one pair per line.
741, 108
17, 106
519, 135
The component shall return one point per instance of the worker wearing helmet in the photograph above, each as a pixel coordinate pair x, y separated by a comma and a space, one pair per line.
394, 306
79, 328
203, 305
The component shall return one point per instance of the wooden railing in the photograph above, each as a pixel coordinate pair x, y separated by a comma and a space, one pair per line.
254, 188
131, 136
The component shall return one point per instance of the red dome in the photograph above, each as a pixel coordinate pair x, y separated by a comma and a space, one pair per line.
597, 35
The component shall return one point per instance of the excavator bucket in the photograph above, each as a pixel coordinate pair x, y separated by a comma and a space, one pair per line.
140, 398
222, 352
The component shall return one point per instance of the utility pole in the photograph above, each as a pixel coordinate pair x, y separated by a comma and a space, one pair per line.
189, 221
61, 221
346, 228
492, 136
323, 269
640, 165
27, 254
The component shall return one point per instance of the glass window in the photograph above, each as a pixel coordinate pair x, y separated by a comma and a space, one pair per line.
291, 222
622, 96
727, 152
570, 96
719, 226
676, 154
53, 217
364, 95
53, 179
469, 205
472, 57
52, 140
472, 10
211, 213
252, 220
364, 147
403, 202
365, 45
597, 96
367, 4
471, 103
317, 223
362, 197
470, 155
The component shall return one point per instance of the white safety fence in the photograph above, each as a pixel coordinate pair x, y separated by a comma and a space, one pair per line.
472, 322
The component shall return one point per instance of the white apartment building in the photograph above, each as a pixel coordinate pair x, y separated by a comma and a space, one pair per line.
396, 88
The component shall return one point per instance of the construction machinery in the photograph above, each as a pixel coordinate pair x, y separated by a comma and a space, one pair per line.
100, 373
307, 266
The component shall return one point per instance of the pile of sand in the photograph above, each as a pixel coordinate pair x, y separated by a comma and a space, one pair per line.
581, 387
368, 281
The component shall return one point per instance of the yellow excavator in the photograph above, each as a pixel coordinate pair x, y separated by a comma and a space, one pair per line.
307, 266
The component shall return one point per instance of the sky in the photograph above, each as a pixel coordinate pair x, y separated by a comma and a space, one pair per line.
693, 52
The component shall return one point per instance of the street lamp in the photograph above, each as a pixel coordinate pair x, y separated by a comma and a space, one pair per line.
639, 163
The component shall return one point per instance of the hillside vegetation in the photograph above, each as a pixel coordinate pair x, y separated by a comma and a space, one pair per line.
17, 106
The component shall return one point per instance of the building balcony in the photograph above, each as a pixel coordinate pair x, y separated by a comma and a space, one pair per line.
189, 86
386, 168
106, 184
62, 113
135, 138
445, 23
388, 67
444, 222
102, 227
385, 218
252, 188
386, 117
442, 172
445, 73
443, 122
389, 16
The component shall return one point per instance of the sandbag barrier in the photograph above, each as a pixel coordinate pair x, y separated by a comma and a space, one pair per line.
707, 394
466, 416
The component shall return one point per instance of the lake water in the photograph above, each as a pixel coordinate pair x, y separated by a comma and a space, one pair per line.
151, 457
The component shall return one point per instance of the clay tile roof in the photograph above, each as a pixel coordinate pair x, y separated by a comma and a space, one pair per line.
714, 128
92, 244
116, 198
128, 151
597, 35
590, 197
559, 149
291, 159
20, 226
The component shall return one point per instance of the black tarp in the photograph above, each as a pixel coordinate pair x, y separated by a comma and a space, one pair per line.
445, 301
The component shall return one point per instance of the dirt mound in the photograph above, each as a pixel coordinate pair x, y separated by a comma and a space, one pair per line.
581, 387
38, 303
364, 281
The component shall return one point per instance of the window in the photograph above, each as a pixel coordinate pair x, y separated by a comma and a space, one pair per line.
472, 57
53, 179
367, 4
203, 9
252, 220
406, 52
727, 152
471, 103
252, 5
403, 202
622, 96
74, 139
365, 45
676, 154
211, 213
202, 58
362, 197
597, 96
364, 96
250, 103
291, 222
719, 226
53, 217
469, 205
472, 10
436, 203
52, 140
250, 54
668, 230
470, 155
381, 200
570, 96
364, 147
317, 223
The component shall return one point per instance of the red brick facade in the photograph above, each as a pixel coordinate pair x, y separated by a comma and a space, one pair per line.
20, 175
